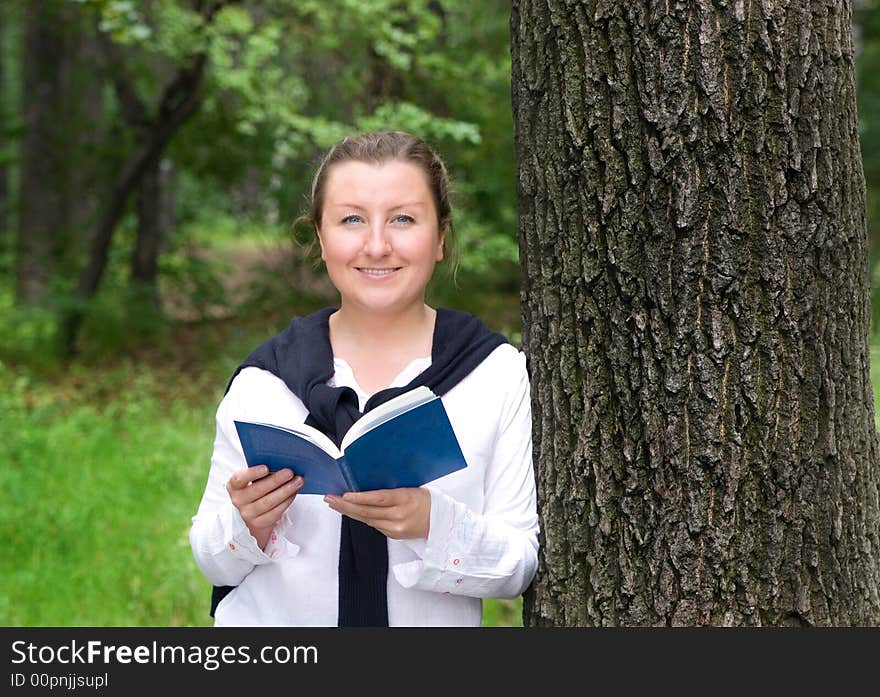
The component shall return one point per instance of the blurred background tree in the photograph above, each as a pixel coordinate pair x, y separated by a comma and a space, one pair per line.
866, 29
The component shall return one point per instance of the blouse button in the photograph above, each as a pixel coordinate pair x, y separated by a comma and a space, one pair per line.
231, 546
456, 561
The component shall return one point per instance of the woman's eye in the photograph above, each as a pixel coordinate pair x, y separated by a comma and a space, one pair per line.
402, 218
352, 219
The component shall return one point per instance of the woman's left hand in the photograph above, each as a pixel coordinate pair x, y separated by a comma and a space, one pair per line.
396, 513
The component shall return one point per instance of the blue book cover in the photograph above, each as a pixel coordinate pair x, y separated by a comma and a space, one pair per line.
406, 442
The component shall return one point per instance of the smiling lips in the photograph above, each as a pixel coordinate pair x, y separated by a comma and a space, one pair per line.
378, 272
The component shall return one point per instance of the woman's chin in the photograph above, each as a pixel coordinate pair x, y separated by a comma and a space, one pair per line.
380, 304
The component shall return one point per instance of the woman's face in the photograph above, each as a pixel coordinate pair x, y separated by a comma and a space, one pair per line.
379, 236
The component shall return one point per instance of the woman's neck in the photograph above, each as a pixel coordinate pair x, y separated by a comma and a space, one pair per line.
407, 333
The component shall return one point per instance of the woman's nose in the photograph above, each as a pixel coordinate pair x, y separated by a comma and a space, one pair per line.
377, 243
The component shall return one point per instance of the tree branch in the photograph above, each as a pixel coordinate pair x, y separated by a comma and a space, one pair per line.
134, 110
175, 92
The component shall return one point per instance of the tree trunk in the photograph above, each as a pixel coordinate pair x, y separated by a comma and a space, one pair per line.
43, 176
94, 155
62, 167
696, 313
167, 205
144, 261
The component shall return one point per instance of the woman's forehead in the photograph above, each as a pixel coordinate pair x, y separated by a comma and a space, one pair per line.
392, 183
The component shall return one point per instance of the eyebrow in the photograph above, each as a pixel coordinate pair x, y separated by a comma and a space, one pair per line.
411, 204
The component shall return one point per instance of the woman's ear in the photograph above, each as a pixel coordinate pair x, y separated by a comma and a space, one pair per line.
441, 246
320, 242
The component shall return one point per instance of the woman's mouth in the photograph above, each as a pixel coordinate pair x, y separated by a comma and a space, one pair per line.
378, 273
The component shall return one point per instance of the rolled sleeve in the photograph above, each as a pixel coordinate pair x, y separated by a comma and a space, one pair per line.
493, 553
238, 540
469, 554
224, 549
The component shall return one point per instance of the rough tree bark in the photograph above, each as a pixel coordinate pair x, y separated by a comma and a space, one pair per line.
696, 313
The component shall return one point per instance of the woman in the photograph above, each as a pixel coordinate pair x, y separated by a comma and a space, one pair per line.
413, 556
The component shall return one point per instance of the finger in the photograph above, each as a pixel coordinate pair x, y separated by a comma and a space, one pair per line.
377, 497
241, 478
389, 528
260, 488
348, 508
266, 503
372, 521
364, 513
273, 515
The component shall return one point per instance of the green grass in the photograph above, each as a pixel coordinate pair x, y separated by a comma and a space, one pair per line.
95, 505
502, 613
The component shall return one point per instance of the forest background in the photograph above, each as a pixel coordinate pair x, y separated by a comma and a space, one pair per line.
106, 429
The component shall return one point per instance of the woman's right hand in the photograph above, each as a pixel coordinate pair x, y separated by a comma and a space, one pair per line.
262, 499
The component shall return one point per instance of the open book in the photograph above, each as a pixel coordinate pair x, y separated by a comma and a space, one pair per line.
405, 442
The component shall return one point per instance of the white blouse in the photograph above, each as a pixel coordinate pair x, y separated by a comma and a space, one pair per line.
483, 536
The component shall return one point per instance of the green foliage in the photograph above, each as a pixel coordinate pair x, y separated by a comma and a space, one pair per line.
875, 377
404, 116
120, 19
291, 82
867, 29
179, 32
118, 320
26, 333
866, 21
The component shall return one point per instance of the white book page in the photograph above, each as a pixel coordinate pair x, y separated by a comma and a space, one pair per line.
313, 435
387, 411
